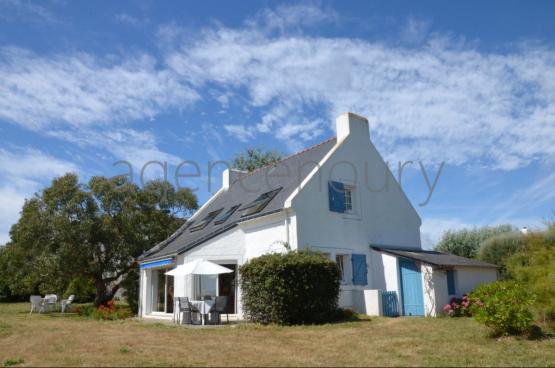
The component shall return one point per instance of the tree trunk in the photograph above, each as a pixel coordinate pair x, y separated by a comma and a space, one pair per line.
103, 295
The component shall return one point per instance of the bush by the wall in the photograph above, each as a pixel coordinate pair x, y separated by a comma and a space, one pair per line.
290, 288
504, 306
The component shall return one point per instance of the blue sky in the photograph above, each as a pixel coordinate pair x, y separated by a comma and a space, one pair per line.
85, 84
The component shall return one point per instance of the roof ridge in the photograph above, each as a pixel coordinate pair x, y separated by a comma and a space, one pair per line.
288, 157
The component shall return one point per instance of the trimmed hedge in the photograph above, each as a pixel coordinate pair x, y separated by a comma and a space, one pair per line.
290, 288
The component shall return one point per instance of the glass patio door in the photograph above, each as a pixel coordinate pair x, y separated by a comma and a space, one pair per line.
162, 290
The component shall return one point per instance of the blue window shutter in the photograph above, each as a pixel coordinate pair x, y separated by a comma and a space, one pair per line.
451, 282
336, 193
360, 269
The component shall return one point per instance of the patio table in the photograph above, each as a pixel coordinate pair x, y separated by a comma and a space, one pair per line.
204, 307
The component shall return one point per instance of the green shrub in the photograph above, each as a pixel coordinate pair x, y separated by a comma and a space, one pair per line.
82, 288
290, 288
534, 267
499, 248
110, 311
504, 306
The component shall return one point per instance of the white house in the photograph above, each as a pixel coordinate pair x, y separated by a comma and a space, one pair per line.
337, 197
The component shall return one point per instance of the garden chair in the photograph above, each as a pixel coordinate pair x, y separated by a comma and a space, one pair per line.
219, 307
184, 307
36, 304
50, 301
66, 303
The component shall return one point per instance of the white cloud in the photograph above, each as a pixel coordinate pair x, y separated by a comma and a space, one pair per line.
432, 229
415, 30
128, 19
78, 89
240, 131
23, 172
444, 101
27, 10
287, 18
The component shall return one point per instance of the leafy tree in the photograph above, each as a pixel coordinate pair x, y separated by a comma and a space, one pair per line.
466, 242
254, 158
93, 231
499, 248
534, 267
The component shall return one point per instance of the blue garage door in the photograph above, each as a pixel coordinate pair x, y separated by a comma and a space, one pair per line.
411, 288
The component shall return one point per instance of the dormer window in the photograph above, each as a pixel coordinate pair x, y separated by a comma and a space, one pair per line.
224, 216
259, 203
205, 221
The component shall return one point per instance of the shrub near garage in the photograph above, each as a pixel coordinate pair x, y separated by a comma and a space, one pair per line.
504, 306
290, 288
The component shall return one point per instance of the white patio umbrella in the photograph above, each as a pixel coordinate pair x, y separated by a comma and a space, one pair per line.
198, 267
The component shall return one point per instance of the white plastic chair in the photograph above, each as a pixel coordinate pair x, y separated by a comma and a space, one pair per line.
50, 301
36, 304
66, 303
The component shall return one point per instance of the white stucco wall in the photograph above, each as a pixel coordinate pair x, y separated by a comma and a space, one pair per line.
434, 282
383, 217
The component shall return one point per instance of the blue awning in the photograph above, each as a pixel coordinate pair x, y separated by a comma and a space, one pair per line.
159, 263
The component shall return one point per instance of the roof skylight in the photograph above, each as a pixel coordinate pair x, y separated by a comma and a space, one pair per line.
224, 216
259, 203
205, 221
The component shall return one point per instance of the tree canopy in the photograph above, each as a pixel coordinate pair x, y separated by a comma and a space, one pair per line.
254, 158
92, 231
466, 242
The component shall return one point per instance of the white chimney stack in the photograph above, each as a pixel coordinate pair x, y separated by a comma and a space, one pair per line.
229, 176
352, 124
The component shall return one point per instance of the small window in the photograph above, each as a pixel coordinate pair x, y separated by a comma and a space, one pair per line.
224, 216
259, 203
340, 260
451, 290
348, 199
341, 197
205, 221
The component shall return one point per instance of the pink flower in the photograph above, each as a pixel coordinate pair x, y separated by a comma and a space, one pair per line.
447, 308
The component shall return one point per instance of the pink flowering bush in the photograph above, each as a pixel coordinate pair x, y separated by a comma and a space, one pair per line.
458, 307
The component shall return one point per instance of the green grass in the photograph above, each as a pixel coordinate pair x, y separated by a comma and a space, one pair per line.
68, 340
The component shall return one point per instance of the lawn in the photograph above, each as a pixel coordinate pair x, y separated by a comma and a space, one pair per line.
70, 340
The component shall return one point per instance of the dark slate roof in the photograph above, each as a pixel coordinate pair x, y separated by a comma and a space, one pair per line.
287, 174
434, 258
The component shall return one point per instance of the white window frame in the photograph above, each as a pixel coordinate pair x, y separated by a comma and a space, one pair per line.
349, 198
340, 260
